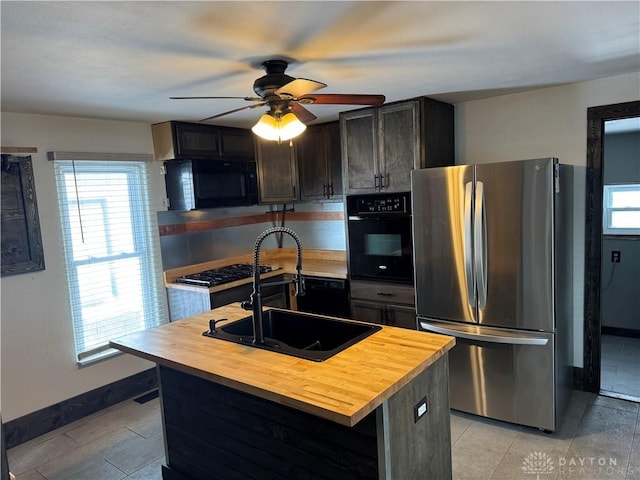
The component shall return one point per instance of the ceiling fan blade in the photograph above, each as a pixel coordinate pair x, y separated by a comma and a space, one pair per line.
300, 87
343, 99
304, 115
249, 99
232, 111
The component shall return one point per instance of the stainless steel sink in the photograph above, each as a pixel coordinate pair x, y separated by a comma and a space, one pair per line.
294, 333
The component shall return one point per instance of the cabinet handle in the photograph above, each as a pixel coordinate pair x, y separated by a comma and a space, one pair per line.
383, 183
325, 190
379, 182
384, 294
331, 190
375, 182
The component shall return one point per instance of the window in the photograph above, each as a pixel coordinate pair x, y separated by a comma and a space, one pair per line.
111, 251
621, 209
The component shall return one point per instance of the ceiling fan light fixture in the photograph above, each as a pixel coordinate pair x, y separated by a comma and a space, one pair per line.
290, 126
278, 127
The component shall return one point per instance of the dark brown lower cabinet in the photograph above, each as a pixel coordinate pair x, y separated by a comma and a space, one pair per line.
386, 314
215, 432
385, 303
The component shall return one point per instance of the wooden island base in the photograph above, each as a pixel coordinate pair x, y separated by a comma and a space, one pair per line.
378, 409
216, 432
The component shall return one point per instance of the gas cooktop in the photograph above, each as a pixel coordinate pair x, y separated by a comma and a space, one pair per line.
219, 276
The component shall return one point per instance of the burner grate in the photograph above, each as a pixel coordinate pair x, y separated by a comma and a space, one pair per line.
219, 276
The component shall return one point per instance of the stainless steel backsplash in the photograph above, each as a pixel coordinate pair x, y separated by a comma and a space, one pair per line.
196, 247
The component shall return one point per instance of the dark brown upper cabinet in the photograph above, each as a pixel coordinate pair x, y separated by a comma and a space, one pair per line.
236, 143
381, 145
320, 163
277, 171
190, 141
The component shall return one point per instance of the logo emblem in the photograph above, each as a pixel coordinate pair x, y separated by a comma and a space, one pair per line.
537, 463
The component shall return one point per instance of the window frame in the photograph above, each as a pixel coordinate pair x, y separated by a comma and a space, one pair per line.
608, 210
145, 246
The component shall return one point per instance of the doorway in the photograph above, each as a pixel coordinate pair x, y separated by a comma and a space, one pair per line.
596, 118
620, 279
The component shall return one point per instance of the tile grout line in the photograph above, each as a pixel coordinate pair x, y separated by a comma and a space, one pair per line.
117, 468
504, 455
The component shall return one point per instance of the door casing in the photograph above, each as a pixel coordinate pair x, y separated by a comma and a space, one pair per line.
596, 117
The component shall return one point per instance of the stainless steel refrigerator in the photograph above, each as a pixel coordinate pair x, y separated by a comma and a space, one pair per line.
493, 268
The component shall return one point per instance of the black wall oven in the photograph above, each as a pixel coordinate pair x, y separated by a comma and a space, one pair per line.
380, 246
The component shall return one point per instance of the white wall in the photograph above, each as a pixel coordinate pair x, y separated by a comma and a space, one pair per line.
38, 366
543, 123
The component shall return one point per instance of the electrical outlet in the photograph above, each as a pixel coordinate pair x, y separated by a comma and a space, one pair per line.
615, 256
420, 409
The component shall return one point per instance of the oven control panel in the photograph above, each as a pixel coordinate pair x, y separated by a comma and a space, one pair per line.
379, 204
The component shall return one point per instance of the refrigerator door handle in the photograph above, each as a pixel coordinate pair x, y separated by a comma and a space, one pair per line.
512, 339
468, 248
480, 244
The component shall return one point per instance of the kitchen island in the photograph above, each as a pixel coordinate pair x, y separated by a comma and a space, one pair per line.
377, 410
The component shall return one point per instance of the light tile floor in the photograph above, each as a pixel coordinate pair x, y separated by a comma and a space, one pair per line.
620, 365
599, 439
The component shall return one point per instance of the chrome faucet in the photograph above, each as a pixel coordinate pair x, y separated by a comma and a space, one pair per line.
255, 301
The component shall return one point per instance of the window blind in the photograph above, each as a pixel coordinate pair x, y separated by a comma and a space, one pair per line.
111, 250
621, 209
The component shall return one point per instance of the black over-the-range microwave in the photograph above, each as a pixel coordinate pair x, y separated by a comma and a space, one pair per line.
208, 183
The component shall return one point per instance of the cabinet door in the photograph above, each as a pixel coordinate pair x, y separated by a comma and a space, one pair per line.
437, 133
399, 141
401, 316
334, 160
193, 140
367, 311
236, 143
277, 174
320, 163
312, 161
358, 133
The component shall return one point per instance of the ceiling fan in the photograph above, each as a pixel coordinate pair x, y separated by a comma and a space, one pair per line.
285, 96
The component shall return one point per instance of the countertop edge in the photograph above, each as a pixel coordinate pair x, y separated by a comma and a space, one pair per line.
347, 420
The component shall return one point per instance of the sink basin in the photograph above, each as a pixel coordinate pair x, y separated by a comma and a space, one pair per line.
299, 334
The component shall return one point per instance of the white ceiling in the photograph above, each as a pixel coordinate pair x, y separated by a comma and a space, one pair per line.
123, 60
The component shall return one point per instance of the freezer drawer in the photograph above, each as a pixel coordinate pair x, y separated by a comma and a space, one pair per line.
503, 374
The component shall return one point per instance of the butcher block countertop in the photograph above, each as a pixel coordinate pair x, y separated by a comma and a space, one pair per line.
315, 263
344, 388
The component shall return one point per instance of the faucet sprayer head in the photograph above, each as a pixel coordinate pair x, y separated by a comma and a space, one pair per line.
300, 288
